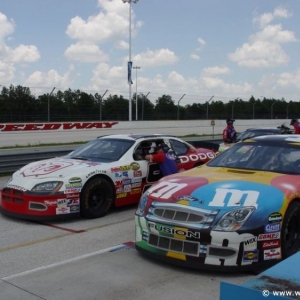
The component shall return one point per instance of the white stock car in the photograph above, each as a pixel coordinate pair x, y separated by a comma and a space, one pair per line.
110, 170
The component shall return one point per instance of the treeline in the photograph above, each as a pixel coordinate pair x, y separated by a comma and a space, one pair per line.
18, 104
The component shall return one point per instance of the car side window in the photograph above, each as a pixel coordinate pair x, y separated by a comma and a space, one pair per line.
178, 147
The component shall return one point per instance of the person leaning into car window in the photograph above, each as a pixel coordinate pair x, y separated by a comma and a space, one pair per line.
229, 133
165, 157
296, 125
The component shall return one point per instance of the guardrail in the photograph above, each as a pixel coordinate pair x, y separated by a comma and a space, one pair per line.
13, 159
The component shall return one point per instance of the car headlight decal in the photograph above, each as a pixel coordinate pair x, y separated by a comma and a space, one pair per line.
142, 204
46, 187
234, 219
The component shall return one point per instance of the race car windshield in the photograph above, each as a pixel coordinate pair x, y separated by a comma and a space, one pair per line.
102, 150
284, 158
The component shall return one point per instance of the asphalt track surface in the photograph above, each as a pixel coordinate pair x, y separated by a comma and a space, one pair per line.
84, 259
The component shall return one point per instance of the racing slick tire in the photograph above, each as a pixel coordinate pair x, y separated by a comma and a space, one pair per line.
290, 231
96, 198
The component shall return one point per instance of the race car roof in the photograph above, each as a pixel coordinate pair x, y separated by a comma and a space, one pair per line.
134, 136
276, 138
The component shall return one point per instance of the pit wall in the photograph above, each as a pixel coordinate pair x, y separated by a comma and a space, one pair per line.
21, 134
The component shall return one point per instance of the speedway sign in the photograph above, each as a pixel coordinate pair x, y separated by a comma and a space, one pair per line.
56, 126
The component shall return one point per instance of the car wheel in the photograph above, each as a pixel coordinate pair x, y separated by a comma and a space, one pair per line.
97, 198
290, 231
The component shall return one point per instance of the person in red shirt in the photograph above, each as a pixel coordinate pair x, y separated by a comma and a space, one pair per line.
296, 125
229, 133
166, 159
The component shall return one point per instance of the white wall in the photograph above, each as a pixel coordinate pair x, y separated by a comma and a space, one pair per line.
19, 136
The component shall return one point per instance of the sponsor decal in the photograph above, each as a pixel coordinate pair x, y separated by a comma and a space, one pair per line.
74, 208
123, 195
120, 190
271, 244
136, 191
73, 195
188, 198
73, 201
127, 188
250, 243
62, 210
118, 183
135, 166
56, 126
95, 172
46, 168
50, 202
125, 168
174, 231
275, 217
234, 197
126, 181
269, 236
75, 180
138, 179
137, 173
135, 185
272, 254
196, 157
250, 256
73, 185
166, 189
62, 202
121, 174
272, 227
71, 191
16, 187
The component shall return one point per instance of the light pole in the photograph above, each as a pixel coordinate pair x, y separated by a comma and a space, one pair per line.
178, 106
207, 106
49, 103
136, 97
129, 60
145, 97
100, 105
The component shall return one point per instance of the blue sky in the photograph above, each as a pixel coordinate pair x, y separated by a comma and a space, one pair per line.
221, 48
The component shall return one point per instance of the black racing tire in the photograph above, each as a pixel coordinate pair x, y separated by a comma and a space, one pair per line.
290, 231
96, 198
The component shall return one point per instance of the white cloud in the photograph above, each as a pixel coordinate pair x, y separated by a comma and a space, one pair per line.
110, 24
264, 48
274, 34
155, 58
25, 54
85, 52
195, 56
215, 70
266, 18
260, 54
51, 78
6, 27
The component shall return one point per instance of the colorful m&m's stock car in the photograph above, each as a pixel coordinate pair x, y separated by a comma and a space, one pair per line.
239, 211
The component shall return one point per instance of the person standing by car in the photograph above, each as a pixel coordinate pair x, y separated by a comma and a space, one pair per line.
229, 133
166, 159
296, 125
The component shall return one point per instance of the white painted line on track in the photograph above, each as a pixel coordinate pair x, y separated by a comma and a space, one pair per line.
111, 249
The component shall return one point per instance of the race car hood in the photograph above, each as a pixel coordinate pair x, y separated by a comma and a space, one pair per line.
222, 189
54, 169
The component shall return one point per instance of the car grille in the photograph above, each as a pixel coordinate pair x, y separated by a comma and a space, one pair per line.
181, 215
169, 244
12, 195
